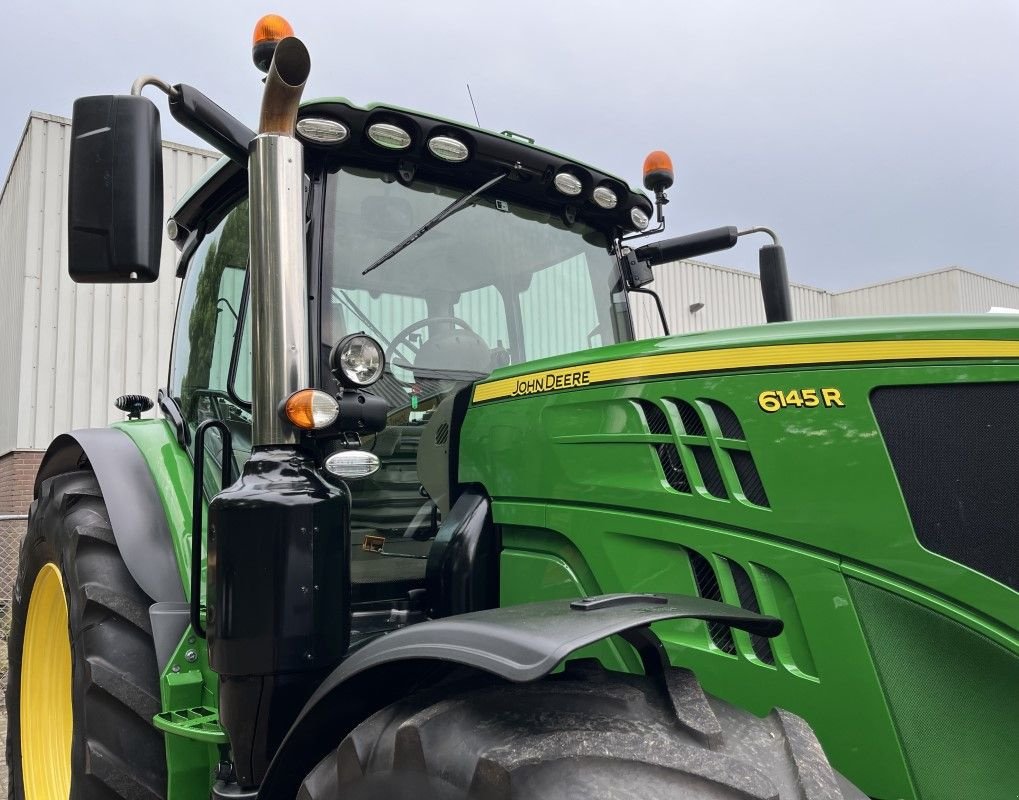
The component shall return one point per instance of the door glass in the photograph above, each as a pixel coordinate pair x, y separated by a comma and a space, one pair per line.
207, 322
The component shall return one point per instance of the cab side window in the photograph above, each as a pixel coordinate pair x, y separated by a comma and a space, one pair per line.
207, 324
568, 287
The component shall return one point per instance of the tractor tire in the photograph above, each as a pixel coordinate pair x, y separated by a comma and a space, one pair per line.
83, 682
585, 734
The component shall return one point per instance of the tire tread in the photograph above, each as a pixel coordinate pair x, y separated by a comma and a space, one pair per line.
653, 739
117, 753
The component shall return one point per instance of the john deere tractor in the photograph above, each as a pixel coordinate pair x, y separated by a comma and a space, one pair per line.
420, 518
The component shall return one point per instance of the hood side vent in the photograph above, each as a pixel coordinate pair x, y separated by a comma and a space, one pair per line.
710, 473
749, 477
668, 454
708, 588
748, 601
728, 422
692, 423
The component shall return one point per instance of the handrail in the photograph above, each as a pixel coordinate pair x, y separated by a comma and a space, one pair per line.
197, 495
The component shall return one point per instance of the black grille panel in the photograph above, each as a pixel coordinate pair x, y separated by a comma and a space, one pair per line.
728, 423
748, 601
657, 422
749, 478
668, 454
709, 471
955, 450
692, 423
707, 587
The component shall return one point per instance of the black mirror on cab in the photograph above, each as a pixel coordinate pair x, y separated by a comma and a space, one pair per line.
115, 190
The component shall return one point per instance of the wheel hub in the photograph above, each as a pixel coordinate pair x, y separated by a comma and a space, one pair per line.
46, 711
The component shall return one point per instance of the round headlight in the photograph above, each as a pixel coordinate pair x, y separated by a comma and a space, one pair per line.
604, 197
392, 137
357, 360
568, 183
638, 218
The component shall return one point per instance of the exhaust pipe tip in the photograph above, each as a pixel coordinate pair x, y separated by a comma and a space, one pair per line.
291, 62
284, 85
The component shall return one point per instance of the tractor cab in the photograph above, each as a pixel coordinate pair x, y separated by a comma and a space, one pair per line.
522, 271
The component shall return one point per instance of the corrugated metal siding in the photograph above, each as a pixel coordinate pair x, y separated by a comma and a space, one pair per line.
933, 293
731, 299
978, 293
13, 228
82, 345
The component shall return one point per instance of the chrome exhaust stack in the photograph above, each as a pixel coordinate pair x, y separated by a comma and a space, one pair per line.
279, 291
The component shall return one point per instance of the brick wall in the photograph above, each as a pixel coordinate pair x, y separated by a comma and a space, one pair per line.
17, 479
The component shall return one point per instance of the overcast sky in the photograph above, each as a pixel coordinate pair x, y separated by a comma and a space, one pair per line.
879, 138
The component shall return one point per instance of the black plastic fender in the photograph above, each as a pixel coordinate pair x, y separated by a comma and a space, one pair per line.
136, 511
514, 643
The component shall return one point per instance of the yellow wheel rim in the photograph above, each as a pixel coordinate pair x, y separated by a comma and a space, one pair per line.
46, 715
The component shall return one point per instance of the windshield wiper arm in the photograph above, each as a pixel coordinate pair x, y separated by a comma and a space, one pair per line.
457, 205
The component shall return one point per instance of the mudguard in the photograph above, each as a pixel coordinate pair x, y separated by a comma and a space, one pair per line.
129, 490
515, 643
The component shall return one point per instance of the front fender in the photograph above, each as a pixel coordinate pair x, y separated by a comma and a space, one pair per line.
136, 511
516, 643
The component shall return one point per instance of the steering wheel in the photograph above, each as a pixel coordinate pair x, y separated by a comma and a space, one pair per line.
403, 338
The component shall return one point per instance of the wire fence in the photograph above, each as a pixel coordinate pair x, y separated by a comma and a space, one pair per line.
12, 529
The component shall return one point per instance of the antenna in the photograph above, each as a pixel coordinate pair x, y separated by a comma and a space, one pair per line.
473, 106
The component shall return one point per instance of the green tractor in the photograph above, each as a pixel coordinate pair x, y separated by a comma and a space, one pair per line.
421, 519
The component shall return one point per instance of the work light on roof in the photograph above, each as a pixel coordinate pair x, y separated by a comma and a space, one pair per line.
603, 196
568, 183
448, 149
392, 137
322, 131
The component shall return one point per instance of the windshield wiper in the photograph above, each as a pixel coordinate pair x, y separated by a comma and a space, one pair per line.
457, 205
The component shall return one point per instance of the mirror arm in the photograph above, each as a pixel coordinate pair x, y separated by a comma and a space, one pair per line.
778, 304
151, 80
658, 302
761, 229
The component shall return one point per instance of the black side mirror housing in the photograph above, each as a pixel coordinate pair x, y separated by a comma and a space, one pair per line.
115, 190
689, 246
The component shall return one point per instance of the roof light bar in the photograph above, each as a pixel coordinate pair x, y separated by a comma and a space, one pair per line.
392, 137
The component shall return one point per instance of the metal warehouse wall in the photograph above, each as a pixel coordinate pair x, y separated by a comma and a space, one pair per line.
949, 291
931, 293
978, 293
13, 246
74, 346
731, 299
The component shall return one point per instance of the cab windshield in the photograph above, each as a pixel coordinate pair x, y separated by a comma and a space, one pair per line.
495, 284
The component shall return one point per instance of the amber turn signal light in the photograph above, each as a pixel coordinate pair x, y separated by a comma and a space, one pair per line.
310, 409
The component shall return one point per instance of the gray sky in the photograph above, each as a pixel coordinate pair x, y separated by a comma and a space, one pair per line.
879, 138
